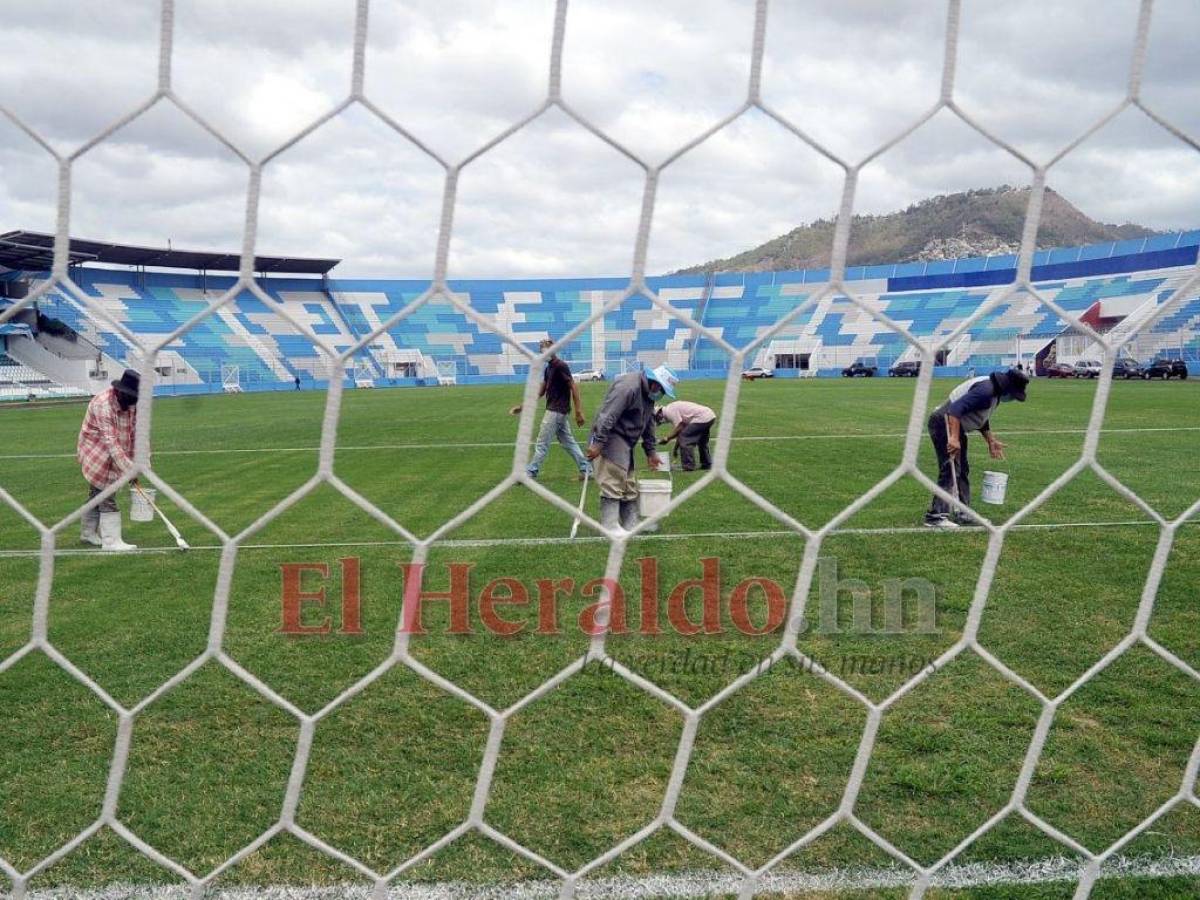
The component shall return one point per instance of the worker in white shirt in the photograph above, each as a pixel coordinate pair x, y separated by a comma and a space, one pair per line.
692, 423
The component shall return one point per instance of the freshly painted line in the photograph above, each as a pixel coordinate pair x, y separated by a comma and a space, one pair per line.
690, 885
479, 445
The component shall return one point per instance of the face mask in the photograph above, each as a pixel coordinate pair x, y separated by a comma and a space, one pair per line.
1007, 399
125, 402
655, 391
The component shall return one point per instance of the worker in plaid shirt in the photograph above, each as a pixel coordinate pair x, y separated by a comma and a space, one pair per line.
105, 453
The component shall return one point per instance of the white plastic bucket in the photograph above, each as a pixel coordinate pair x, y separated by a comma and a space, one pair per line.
141, 510
654, 495
994, 486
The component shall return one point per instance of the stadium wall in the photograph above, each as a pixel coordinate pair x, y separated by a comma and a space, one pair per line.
249, 337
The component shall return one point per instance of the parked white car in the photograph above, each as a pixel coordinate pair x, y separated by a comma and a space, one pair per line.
589, 375
756, 373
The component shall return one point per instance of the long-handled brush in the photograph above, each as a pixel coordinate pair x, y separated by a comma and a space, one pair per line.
954, 478
958, 513
582, 499
179, 541
954, 474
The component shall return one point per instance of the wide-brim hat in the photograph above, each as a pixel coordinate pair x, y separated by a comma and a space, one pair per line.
128, 383
1017, 381
665, 378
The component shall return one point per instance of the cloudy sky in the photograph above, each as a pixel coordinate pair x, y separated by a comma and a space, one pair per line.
553, 199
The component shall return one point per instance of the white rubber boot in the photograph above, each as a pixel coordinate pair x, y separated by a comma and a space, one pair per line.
87, 530
610, 513
629, 514
110, 533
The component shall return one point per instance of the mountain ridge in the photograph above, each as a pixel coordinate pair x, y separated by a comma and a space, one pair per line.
980, 222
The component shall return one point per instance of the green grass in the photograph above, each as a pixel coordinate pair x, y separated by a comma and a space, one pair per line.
586, 765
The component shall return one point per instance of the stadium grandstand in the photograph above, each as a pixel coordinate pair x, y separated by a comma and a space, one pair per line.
56, 348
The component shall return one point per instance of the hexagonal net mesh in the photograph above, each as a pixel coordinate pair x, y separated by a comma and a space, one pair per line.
752, 880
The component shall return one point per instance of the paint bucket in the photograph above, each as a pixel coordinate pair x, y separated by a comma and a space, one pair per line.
141, 510
654, 494
994, 486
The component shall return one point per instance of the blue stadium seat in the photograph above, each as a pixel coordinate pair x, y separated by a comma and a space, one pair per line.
740, 307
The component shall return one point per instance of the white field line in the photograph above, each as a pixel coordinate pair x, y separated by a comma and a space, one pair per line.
491, 445
694, 884
598, 539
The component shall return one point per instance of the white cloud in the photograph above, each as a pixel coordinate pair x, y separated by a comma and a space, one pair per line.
457, 73
552, 199
543, 202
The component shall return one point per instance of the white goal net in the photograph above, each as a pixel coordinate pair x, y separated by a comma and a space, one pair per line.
749, 879
362, 376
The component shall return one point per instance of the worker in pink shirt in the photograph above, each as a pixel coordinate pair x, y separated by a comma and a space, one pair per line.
692, 423
105, 454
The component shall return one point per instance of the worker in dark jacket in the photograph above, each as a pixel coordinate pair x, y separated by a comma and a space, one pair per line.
969, 408
625, 417
560, 390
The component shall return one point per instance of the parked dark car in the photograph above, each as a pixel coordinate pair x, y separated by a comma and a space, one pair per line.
1127, 368
1087, 368
1060, 370
909, 368
1166, 368
859, 368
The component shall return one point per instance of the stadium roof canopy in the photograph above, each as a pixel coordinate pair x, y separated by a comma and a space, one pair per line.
34, 250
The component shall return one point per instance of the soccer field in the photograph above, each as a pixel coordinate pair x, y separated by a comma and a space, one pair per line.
395, 768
